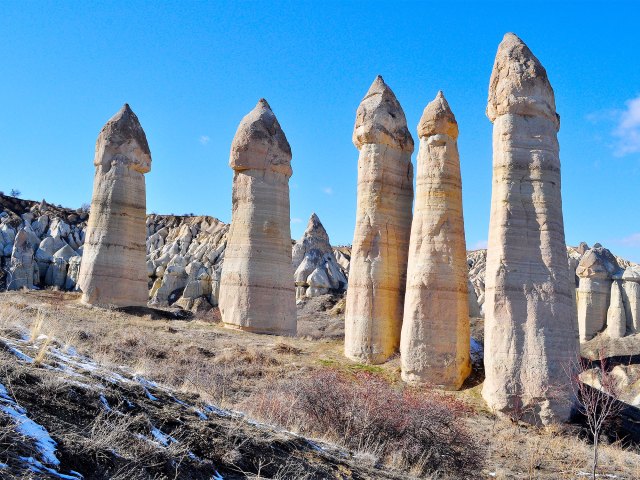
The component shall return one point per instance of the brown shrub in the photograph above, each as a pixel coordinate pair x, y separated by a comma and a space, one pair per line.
412, 429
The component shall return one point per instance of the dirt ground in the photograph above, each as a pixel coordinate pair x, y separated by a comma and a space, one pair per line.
225, 367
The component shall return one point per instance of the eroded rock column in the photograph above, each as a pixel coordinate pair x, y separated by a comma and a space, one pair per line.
595, 269
113, 269
435, 338
531, 336
377, 276
256, 290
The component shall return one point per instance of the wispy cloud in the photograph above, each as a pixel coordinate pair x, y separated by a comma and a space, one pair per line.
204, 139
478, 245
626, 130
296, 220
328, 190
632, 240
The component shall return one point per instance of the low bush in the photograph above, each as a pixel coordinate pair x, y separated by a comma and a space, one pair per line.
412, 429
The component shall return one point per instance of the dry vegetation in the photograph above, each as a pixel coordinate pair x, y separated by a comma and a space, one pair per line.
305, 385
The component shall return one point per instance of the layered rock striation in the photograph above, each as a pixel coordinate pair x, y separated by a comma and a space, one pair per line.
257, 292
113, 269
531, 335
435, 337
377, 277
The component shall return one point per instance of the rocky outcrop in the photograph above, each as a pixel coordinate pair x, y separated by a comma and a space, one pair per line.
631, 297
23, 269
316, 270
530, 322
434, 345
113, 268
256, 289
184, 258
595, 271
377, 277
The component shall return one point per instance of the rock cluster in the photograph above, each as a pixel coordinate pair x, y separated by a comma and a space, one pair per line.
531, 333
41, 245
435, 337
113, 268
377, 278
184, 260
256, 289
316, 270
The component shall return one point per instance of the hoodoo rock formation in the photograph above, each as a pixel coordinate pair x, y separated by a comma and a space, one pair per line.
435, 338
531, 335
377, 277
316, 270
257, 292
595, 272
113, 269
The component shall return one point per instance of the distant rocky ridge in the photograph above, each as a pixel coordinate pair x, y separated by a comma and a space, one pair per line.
185, 256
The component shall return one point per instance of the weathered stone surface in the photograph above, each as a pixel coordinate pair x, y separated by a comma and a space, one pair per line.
377, 276
113, 270
616, 318
21, 270
435, 338
316, 270
595, 270
631, 297
256, 291
530, 324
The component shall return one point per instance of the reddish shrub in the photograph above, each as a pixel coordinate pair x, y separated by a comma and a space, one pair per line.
415, 428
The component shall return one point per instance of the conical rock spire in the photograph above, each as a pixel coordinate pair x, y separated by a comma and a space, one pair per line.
113, 268
260, 143
123, 139
519, 83
256, 292
380, 119
437, 118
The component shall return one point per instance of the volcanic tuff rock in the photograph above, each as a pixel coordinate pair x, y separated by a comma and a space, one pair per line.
256, 291
434, 345
113, 269
530, 322
316, 268
378, 264
595, 270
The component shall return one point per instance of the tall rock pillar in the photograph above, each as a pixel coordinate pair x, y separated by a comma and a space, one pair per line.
114, 268
377, 277
435, 338
531, 335
257, 293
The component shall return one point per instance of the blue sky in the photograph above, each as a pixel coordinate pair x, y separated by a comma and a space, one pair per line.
192, 70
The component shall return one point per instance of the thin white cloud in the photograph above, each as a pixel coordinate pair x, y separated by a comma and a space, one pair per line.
632, 240
204, 139
628, 129
626, 132
479, 245
328, 190
296, 220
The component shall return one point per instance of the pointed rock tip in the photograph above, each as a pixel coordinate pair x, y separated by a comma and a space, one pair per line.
123, 127
519, 83
263, 103
380, 119
437, 118
260, 142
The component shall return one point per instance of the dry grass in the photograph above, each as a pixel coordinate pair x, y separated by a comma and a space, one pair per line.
227, 368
